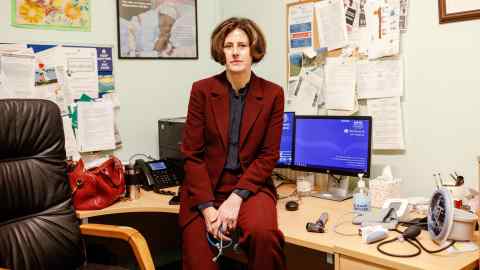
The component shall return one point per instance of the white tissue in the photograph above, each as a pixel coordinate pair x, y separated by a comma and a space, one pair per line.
387, 173
384, 187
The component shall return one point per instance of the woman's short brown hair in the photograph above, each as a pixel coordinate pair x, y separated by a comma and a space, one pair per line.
256, 38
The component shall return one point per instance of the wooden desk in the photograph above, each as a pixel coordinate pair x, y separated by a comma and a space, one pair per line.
148, 202
349, 251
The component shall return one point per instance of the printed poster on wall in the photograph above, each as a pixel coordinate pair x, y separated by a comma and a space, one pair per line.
69, 15
105, 70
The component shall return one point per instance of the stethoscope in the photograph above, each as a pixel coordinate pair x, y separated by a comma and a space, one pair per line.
220, 245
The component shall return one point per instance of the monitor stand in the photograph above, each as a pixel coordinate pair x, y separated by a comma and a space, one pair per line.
339, 189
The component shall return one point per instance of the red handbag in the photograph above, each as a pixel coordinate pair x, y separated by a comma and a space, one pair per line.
99, 187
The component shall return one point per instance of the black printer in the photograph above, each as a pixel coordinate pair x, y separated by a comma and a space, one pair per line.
170, 131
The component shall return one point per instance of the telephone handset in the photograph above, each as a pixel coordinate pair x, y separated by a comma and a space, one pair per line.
156, 174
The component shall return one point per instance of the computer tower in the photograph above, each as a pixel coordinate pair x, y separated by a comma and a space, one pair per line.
170, 137
170, 132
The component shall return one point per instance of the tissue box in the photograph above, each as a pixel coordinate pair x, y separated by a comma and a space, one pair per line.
381, 190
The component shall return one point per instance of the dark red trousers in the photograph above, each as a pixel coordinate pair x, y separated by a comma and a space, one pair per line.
261, 238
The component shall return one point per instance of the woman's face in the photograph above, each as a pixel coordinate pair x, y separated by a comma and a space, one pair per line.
236, 48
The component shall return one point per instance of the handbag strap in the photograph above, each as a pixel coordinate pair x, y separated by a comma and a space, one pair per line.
112, 169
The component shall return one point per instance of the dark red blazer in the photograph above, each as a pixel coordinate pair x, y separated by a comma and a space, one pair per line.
205, 140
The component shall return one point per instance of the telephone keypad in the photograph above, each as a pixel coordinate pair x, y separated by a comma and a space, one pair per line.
163, 178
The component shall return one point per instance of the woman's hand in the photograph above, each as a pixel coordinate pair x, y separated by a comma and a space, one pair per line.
210, 215
228, 213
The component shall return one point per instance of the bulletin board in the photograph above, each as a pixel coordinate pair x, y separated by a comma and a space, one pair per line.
79, 79
372, 63
315, 38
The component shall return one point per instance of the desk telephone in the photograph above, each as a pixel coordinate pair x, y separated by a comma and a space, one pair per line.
156, 174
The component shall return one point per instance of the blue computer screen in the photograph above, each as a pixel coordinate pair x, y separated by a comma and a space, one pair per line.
286, 142
340, 145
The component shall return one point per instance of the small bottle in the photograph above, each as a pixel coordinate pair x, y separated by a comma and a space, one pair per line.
361, 197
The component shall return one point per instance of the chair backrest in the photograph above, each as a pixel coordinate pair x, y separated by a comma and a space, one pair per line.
38, 227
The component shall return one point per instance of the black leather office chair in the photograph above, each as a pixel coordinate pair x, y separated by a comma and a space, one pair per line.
38, 226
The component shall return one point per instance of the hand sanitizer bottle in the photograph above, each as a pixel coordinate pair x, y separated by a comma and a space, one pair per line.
361, 197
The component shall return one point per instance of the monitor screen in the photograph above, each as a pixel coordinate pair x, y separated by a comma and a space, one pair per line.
286, 142
333, 144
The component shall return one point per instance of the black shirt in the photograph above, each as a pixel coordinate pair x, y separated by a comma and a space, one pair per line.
237, 103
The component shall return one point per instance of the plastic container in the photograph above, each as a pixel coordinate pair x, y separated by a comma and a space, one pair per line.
305, 184
463, 225
361, 197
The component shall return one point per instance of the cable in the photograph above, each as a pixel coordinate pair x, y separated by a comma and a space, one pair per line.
280, 176
435, 251
140, 154
286, 196
399, 255
410, 234
339, 223
335, 177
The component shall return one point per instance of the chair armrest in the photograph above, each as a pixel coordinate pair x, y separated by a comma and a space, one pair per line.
128, 234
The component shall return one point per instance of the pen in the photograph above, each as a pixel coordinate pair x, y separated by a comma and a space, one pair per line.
387, 216
436, 180
459, 181
441, 180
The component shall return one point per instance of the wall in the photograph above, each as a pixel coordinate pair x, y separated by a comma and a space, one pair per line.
148, 89
441, 105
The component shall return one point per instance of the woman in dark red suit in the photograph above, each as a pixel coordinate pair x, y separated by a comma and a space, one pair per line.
231, 145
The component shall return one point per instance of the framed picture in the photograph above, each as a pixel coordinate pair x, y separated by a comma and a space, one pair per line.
157, 29
66, 15
458, 10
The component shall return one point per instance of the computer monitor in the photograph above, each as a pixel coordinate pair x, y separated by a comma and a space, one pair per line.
338, 145
286, 142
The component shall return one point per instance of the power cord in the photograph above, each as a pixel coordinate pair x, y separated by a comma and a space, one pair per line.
410, 235
340, 223
149, 157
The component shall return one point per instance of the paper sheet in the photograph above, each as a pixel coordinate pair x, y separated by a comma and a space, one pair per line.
308, 94
379, 79
19, 71
300, 26
383, 24
81, 69
47, 84
114, 98
313, 58
340, 84
4, 91
363, 39
71, 146
295, 64
96, 126
352, 14
387, 123
404, 15
332, 29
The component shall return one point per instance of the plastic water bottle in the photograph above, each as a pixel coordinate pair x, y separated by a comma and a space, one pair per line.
361, 197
